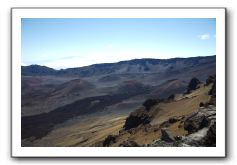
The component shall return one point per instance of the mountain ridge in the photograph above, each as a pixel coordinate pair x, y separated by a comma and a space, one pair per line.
144, 65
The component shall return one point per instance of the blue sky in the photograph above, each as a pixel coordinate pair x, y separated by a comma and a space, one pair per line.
64, 43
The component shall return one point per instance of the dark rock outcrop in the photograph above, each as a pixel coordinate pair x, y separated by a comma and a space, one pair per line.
195, 122
193, 84
203, 132
210, 139
149, 103
137, 118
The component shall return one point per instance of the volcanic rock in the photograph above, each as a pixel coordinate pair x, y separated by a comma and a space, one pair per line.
166, 136
210, 139
149, 103
202, 127
193, 84
136, 118
195, 122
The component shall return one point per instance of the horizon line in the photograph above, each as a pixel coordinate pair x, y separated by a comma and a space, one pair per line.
118, 62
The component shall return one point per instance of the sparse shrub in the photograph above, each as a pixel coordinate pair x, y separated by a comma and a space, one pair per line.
109, 141
201, 104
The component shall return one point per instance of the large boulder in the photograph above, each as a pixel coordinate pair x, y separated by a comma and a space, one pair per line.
200, 119
195, 122
149, 103
205, 137
193, 84
201, 127
137, 118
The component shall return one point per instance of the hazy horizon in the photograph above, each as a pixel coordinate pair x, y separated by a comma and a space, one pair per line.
68, 43
117, 62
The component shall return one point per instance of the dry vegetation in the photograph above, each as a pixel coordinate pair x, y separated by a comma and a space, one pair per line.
82, 132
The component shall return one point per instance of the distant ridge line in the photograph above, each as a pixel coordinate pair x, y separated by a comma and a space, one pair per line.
124, 61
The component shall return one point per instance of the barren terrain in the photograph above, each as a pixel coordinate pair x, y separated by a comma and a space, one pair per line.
82, 106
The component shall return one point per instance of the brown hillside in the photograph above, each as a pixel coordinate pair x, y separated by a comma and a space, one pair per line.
170, 115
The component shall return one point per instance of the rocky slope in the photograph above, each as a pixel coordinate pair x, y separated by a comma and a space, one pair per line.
156, 125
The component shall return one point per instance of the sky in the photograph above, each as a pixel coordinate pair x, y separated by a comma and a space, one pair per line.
62, 43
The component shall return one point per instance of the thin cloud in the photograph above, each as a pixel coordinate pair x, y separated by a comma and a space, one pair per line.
98, 57
204, 36
50, 60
